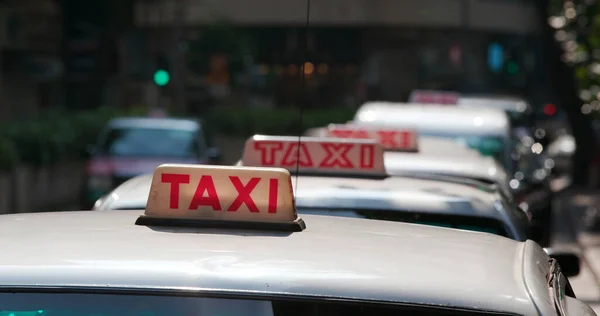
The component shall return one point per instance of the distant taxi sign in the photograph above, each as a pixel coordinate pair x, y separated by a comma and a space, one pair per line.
434, 97
316, 155
391, 139
221, 197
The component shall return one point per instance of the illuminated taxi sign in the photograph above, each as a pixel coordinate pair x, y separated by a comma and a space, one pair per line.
391, 139
221, 197
311, 155
434, 97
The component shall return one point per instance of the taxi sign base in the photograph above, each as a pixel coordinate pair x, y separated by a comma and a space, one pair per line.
297, 225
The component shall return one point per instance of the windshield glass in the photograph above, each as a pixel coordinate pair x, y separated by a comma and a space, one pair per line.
59, 304
150, 142
492, 146
479, 224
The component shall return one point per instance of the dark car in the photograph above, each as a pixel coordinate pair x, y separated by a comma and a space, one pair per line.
531, 177
133, 146
531, 183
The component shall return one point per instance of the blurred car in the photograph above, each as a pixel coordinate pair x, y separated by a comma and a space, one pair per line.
355, 192
228, 241
132, 146
561, 151
408, 153
517, 108
486, 129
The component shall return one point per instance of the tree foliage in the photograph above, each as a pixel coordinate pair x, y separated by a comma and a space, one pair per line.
577, 26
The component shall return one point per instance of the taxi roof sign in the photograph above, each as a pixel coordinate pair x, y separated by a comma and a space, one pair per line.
221, 197
406, 140
316, 155
434, 97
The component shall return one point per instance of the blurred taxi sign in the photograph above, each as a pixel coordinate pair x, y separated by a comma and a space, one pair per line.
221, 197
316, 155
391, 139
434, 97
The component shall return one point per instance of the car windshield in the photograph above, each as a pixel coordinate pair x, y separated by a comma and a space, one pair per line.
150, 142
62, 304
479, 224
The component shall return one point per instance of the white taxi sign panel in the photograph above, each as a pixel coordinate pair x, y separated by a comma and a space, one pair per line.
316, 155
434, 97
198, 195
391, 139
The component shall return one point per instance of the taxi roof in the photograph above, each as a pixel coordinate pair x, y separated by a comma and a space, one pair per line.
393, 193
444, 146
481, 168
427, 118
149, 122
396, 193
334, 257
504, 102
427, 144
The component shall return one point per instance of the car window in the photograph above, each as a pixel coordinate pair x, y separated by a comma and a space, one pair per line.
150, 142
480, 224
62, 304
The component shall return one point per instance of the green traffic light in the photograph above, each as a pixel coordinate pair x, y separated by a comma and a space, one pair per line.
161, 77
513, 68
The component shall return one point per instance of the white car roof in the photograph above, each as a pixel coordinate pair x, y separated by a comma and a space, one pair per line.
392, 193
506, 103
444, 146
332, 257
474, 167
149, 122
441, 119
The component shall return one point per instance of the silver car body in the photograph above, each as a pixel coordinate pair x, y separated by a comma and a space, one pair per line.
333, 258
511, 104
438, 120
476, 167
427, 196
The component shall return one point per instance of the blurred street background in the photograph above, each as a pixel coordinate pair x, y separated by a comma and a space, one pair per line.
246, 67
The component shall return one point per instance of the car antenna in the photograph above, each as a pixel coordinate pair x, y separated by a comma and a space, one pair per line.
303, 89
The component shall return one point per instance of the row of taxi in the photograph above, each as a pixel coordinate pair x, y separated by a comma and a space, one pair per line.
372, 217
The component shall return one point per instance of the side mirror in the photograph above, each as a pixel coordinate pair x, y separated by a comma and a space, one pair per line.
214, 153
569, 261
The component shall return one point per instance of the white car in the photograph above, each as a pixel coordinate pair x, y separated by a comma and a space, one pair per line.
424, 155
365, 191
487, 130
227, 241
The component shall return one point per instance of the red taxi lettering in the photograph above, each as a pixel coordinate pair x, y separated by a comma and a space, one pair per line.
273, 187
367, 156
387, 138
405, 139
293, 157
243, 194
207, 185
390, 139
267, 151
336, 155
340, 133
206, 193
174, 180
